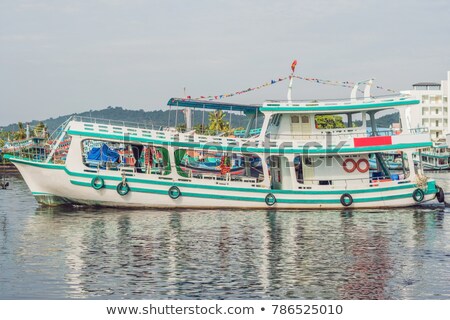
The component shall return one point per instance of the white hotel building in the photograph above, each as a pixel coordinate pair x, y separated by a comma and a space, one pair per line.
433, 112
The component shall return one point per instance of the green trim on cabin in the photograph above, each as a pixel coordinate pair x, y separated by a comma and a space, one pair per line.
309, 151
341, 107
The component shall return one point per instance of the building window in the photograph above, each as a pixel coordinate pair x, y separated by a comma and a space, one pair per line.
305, 119
437, 123
295, 119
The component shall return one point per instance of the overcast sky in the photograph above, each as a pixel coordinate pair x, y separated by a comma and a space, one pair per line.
64, 56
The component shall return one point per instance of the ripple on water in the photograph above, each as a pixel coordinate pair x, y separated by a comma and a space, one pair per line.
198, 254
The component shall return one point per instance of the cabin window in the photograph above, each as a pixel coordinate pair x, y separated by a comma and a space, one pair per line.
210, 164
298, 166
109, 155
296, 119
275, 120
329, 121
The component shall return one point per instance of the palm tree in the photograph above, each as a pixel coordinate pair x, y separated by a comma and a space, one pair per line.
217, 122
21, 133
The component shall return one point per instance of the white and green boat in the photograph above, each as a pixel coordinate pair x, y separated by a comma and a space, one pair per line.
434, 158
110, 163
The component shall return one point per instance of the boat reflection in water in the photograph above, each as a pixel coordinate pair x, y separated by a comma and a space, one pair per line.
88, 253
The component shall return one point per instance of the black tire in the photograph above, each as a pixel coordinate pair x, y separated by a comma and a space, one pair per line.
97, 183
418, 195
440, 196
346, 200
174, 192
270, 199
123, 188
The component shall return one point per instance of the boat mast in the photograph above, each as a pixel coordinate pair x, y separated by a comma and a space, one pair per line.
291, 80
187, 115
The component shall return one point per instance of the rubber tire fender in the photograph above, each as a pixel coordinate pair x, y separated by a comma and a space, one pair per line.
97, 183
174, 192
418, 195
343, 200
123, 189
440, 194
270, 199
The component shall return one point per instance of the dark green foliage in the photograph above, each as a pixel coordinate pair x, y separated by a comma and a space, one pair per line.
329, 122
158, 118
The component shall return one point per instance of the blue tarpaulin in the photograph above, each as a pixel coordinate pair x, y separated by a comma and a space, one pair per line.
104, 153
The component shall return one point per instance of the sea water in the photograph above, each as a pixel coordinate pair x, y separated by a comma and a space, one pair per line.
92, 253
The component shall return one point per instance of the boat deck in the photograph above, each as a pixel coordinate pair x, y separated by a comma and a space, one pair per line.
349, 140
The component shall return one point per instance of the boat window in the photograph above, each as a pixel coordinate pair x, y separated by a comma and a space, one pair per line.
275, 120
218, 165
109, 155
329, 121
298, 165
351, 121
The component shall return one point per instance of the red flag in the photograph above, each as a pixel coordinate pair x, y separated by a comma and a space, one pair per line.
293, 65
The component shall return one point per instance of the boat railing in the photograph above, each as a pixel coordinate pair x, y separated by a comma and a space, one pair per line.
121, 130
343, 133
120, 123
333, 102
371, 181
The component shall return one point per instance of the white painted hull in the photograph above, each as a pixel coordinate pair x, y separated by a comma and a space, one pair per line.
58, 186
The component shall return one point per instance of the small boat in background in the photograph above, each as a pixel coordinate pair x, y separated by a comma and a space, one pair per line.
434, 158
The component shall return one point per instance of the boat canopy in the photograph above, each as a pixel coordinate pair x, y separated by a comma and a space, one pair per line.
104, 153
214, 105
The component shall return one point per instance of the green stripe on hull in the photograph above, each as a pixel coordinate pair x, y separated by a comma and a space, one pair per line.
430, 186
255, 199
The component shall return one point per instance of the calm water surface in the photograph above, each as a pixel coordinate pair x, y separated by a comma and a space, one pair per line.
50, 253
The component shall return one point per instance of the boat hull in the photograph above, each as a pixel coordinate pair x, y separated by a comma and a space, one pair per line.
57, 185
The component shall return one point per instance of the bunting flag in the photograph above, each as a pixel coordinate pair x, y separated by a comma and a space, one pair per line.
227, 95
293, 65
345, 84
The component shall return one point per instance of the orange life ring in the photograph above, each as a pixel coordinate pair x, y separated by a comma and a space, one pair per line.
347, 168
364, 168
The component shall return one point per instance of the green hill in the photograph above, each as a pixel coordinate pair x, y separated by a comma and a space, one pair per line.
158, 118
